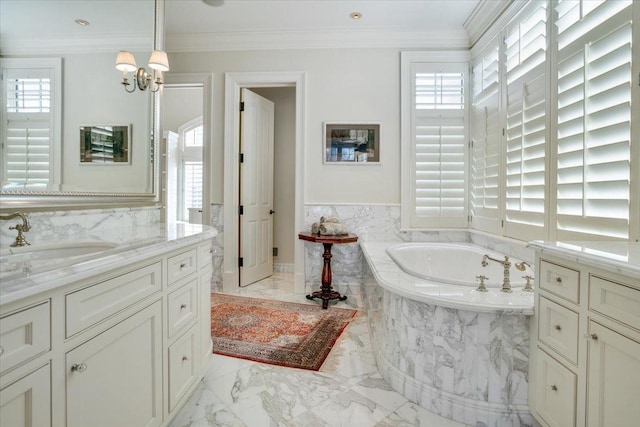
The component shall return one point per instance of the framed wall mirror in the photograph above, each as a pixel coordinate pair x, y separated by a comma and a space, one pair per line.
58, 68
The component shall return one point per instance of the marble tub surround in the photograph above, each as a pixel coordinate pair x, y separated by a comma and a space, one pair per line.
467, 366
217, 222
133, 243
616, 257
389, 276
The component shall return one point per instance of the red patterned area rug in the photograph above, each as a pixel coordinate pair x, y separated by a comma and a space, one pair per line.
275, 332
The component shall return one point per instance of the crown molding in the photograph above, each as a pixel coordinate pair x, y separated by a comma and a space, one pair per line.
317, 39
483, 16
74, 44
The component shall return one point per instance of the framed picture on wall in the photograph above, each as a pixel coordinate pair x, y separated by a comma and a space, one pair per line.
105, 144
351, 143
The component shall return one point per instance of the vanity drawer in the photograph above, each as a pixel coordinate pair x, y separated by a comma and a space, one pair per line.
615, 300
24, 335
182, 307
91, 305
205, 252
559, 280
558, 328
555, 391
182, 265
182, 366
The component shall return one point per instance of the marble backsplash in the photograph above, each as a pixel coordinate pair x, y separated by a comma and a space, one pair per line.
62, 224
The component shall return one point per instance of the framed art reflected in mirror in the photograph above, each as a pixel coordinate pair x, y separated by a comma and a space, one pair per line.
351, 143
105, 144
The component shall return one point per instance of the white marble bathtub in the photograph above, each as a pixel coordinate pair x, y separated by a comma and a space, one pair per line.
457, 352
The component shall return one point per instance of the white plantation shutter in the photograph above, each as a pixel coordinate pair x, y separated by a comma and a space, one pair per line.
525, 55
594, 119
30, 128
28, 135
485, 138
439, 145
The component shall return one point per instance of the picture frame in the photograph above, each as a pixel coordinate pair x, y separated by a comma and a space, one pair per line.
105, 144
351, 143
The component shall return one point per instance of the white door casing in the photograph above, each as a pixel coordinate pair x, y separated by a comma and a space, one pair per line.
256, 187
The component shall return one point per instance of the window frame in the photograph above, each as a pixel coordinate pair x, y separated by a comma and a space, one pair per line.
408, 60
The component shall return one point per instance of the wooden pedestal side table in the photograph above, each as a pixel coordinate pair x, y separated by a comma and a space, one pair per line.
326, 292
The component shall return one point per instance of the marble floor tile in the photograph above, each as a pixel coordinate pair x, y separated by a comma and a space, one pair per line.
347, 391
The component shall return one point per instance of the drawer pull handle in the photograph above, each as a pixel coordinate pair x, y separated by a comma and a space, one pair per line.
79, 367
559, 280
183, 306
554, 387
558, 328
185, 358
182, 266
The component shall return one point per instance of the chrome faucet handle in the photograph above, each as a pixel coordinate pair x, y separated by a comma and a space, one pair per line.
522, 265
527, 286
481, 286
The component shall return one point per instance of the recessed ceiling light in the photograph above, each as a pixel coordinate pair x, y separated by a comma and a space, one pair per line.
355, 15
82, 22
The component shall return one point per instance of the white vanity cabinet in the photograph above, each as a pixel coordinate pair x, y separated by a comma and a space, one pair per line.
585, 344
124, 347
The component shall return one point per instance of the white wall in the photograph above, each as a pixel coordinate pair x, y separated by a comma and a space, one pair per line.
180, 105
342, 85
92, 87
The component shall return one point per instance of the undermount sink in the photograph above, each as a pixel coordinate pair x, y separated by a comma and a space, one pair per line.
53, 251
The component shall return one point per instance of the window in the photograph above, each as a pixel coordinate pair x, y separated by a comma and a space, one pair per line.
526, 137
486, 139
31, 124
191, 168
436, 140
594, 119
552, 151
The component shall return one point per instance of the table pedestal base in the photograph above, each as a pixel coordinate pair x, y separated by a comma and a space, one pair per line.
326, 297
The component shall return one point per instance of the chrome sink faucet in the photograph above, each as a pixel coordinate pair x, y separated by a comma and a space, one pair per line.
22, 228
506, 283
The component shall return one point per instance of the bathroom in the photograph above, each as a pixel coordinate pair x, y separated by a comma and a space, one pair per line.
354, 78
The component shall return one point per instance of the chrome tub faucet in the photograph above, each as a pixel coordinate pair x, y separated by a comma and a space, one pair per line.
506, 264
22, 228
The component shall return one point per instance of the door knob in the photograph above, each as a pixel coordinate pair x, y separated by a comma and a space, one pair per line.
271, 211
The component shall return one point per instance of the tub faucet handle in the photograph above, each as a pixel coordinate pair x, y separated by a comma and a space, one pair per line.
481, 286
527, 286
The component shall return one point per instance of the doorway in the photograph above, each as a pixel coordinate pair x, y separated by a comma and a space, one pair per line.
186, 122
234, 82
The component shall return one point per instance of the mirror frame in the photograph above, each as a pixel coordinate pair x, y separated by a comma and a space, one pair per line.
42, 200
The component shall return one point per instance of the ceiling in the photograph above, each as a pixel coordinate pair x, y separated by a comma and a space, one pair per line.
193, 25
194, 16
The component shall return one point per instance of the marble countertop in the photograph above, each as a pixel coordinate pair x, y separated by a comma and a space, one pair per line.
125, 245
617, 257
391, 277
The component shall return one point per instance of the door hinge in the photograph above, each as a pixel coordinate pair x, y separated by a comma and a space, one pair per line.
502, 223
469, 218
503, 133
241, 157
240, 262
242, 106
241, 210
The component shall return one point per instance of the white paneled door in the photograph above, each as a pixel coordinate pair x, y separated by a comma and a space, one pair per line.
256, 187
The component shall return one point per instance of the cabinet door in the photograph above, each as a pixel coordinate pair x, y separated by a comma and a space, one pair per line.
27, 402
613, 378
115, 378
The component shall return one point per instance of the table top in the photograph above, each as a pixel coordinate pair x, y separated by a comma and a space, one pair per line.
325, 238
